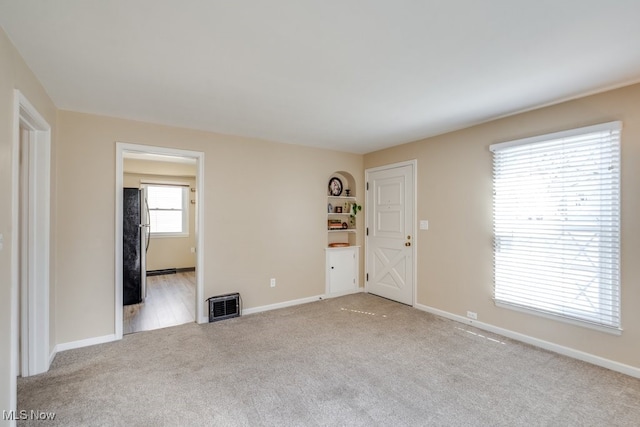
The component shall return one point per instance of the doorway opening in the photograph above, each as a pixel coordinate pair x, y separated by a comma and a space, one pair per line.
30, 243
167, 183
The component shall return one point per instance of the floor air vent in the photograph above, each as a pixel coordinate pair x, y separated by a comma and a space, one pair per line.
224, 307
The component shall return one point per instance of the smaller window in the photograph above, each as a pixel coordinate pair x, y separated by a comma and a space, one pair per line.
168, 210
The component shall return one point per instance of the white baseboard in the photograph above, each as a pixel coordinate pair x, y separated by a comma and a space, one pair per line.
108, 338
566, 351
282, 304
84, 343
53, 354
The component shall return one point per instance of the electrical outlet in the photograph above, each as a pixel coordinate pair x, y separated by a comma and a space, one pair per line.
472, 315
273, 283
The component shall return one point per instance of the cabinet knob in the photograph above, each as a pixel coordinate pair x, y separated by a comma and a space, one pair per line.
408, 244
332, 268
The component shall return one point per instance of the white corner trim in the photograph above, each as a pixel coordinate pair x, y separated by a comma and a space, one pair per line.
556, 348
281, 305
85, 343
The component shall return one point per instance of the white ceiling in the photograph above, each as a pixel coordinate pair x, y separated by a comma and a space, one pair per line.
348, 75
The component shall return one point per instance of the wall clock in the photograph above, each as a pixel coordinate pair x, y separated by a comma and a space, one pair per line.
335, 187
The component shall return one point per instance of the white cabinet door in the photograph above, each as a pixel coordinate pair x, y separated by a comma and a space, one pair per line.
342, 270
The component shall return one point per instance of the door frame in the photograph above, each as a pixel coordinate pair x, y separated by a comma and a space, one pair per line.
414, 247
121, 149
30, 328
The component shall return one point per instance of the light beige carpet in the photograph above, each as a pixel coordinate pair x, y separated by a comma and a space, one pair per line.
358, 360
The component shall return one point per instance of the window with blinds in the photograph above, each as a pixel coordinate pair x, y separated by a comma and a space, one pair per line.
168, 210
557, 225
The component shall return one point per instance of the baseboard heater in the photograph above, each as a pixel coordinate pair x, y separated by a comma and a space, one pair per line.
161, 272
169, 271
224, 307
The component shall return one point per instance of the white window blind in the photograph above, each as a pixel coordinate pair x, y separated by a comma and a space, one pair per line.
557, 225
168, 206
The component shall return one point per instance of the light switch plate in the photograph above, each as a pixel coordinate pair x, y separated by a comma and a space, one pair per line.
424, 224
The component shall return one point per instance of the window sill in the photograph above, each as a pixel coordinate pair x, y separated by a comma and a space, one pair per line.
168, 235
575, 322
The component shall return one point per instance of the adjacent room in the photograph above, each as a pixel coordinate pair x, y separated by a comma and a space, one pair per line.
416, 213
163, 190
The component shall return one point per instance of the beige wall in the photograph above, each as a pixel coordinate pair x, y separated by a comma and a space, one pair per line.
166, 252
265, 217
454, 256
14, 74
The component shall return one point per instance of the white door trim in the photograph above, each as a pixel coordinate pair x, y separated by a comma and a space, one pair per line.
121, 148
414, 166
35, 317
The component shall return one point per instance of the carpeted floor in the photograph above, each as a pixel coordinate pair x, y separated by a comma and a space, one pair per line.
357, 360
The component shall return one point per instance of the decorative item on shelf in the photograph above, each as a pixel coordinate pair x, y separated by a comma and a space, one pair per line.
334, 224
355, 208
338, 245
345, 225
329, 208
347, 192
338, 209
335, 187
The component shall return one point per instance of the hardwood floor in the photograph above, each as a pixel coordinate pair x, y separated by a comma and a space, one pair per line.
170, 301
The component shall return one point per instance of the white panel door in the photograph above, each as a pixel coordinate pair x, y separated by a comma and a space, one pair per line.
390, 232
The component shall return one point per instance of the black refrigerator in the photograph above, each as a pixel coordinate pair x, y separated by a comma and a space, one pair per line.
135, 242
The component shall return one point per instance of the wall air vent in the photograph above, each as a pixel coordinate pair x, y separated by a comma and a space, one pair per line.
224, 307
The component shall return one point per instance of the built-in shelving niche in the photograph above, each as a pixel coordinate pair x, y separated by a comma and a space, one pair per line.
344, 202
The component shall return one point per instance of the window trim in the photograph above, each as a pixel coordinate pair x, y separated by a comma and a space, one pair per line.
616, 125
185, 208
615, 330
